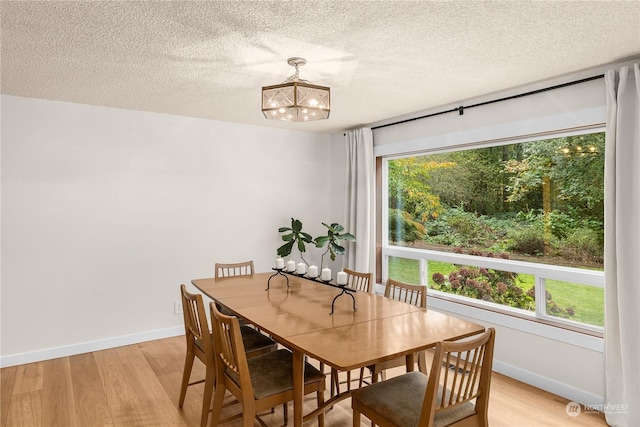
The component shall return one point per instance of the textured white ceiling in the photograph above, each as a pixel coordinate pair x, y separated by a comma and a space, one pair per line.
382, 59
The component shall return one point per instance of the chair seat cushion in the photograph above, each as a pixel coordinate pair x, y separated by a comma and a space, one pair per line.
254, 340
224, 310
400, 400
272, 373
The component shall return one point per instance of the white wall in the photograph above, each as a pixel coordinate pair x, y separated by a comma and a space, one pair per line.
562, 362
106, 211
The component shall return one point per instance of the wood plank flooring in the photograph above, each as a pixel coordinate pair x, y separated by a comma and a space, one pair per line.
139, 385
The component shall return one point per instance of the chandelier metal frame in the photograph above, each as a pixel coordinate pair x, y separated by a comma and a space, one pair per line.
295, 99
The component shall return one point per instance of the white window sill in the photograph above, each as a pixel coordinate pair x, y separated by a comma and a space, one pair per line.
531, 326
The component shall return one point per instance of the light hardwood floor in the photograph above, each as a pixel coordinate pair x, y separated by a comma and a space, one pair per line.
138, 385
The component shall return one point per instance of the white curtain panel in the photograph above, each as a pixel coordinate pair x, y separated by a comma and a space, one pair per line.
360, 207
622, 247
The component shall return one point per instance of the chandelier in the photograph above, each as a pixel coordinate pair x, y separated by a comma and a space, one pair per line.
296, 100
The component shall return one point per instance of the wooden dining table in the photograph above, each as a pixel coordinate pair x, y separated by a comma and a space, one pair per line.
296, 312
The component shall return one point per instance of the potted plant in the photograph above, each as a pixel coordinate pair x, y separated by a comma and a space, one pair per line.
333, 239
295, 236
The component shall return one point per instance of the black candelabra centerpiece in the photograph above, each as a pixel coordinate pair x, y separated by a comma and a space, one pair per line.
344, 289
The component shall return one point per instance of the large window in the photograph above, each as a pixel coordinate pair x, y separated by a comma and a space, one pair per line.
513, 227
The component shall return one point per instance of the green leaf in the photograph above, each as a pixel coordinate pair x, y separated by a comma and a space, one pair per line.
347, 236
287, 237
283, 229
296, 225
285, 249
301, 246
338, 249
321, 241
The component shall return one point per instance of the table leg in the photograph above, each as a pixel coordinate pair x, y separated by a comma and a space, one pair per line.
298, 387
410, 362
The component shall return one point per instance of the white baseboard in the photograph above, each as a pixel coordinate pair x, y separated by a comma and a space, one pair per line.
548, 384
86, 347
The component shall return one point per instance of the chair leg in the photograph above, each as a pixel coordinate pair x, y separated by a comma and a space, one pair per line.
374, 376
186, 375
422, 362
248, 417
361, 378
320, 401
335, 383
356, 418
285, 411
218, 400
209, 384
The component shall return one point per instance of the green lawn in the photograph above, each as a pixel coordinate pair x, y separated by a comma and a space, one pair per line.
587, 301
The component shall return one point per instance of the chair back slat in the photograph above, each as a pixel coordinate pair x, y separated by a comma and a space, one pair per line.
405, 292
358, 281
233, 270
469, 386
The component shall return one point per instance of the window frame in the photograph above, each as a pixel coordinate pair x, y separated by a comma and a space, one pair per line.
581, 334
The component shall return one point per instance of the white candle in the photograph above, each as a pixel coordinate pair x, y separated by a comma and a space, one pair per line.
279, 263
291, 265
342, 278
313, 271
326, 274
301, 268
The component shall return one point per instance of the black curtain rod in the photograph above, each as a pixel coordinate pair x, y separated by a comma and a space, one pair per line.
461, 108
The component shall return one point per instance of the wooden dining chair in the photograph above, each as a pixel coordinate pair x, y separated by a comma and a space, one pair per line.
258, 383
410, 294
233, 270
360, 282
237, 269
200, 344
455, 393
